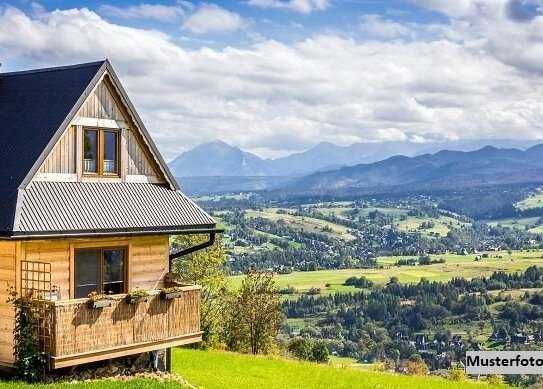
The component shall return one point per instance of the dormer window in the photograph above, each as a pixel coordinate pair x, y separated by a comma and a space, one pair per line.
101, 152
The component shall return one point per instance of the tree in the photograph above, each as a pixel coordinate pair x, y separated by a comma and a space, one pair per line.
255, 314
319, 352
416, 366
301, 348
205, 268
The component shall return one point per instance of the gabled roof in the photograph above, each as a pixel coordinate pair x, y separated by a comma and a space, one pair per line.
36, 106
33, 106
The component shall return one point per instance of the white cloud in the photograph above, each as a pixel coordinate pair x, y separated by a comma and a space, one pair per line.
377, 26
302, 6
274, 96
163, 13
212, 18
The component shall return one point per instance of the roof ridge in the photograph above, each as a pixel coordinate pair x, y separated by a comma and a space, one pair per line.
54, 68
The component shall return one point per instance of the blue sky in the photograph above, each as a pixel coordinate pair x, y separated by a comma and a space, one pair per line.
278, 76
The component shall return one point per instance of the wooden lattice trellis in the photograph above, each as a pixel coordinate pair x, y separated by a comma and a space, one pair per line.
37, 293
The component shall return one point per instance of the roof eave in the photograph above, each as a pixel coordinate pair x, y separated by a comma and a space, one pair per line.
174, 230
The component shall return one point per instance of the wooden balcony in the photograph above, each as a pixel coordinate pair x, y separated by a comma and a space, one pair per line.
80, 334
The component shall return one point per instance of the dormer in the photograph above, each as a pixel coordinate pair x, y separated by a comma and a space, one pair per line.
102, 143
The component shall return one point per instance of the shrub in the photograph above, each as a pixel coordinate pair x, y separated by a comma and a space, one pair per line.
308, 350
457, 374
416, 366
313, 291
319, 352
30, 361
301, 348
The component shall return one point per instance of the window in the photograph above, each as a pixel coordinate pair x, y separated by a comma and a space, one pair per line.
102, 271
101, 152
90, 161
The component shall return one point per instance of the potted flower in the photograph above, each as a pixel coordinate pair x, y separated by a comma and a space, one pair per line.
137, 296
99, 300
171, 293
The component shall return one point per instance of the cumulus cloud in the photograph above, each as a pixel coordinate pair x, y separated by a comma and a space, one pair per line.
163, 13
375, 25
212, 18
272, 96
302, 6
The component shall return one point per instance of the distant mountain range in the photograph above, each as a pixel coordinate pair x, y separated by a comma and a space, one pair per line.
443, 170
218, 167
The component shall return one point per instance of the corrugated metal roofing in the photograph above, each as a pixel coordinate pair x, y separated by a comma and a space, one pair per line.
33, 105
64, 207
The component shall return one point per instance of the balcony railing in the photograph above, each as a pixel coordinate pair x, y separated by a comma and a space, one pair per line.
89, 166
80, 334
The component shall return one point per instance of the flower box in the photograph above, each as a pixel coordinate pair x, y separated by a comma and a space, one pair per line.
168, 295
100, 303
131, 299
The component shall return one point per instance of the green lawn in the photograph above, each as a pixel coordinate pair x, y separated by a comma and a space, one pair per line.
213, 369
455, 266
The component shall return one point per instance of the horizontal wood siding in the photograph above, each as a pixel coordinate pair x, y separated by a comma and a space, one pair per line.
147, 262
79, 329
55, 252
62, 157
7, 279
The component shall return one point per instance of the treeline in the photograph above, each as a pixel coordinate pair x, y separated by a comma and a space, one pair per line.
382, 322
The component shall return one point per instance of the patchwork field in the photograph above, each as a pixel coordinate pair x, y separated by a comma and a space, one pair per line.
307, 224
455, 266
519, 223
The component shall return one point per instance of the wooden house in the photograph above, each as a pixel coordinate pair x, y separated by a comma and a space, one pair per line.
87, 204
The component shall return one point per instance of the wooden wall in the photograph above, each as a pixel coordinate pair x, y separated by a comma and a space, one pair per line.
7, 279
147, 259
62, 158
147, 265
102, 103
138, 162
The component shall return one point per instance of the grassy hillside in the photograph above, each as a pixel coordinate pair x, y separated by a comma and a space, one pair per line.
212, 369
308, 224
98, 384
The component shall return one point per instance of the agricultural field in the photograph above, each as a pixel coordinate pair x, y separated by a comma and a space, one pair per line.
214, 369
331, 281
533, 201
344, 211
442, 224
303, 223
522, 223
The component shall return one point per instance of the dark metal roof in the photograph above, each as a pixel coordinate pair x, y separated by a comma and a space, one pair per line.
67, 207
33, 106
